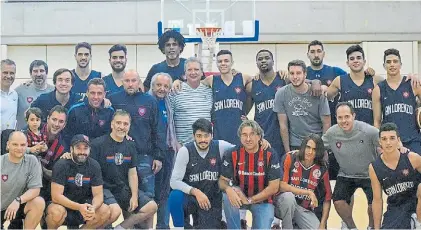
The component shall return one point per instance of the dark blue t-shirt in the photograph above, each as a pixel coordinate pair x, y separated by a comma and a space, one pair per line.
176, 72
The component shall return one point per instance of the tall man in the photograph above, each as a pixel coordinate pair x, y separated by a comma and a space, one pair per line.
63, 80
171, 43
263, 95
192, 102
354, 145
76, 190
20, 184
9, 97
160, 87
195, 180
256, 172
117, 157
397, 175
299, 113
90, 117
83, 73
27, 93
118, 61
143, 108
395, 100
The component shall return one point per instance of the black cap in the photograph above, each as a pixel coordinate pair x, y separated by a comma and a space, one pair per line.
80, 138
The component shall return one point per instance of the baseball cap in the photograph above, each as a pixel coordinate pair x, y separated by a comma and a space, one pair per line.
80, 138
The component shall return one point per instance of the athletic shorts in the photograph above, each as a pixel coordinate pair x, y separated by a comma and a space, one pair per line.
20, 215
345, 188
333, 166
122, 198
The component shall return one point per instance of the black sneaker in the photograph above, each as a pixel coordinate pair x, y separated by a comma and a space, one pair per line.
244, 224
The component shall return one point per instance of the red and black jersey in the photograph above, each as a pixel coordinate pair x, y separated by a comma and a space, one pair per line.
314, 178
56, 148
251, 171
34, 139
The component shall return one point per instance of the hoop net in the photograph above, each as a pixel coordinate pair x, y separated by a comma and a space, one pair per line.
209, 35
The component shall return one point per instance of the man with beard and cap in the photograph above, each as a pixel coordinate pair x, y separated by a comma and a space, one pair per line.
28, 93
171, 43
9, 97
76, 190
90, 117
63, 80
118, 61
83, 73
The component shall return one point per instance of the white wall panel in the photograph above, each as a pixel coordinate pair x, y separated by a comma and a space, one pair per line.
23, 56
100, 58
60, 57
335, 55
147, 55
419, 59
375, 52
288, 52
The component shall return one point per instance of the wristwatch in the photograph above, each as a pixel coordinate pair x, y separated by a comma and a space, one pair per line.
18, 200
230, 183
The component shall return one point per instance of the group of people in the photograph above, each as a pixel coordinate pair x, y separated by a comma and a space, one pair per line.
92, 147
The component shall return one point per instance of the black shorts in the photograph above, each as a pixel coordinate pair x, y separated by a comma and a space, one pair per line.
20, 215
333, 166
202, 219
122, 198
345, 188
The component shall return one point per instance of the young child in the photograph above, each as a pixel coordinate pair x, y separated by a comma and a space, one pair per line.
36, 140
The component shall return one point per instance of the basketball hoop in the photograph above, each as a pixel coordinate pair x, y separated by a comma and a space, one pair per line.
209, 35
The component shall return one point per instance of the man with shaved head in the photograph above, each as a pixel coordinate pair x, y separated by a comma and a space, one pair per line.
150, 145
20, 184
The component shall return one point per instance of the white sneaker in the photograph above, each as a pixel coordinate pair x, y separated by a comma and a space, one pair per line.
415, 224
344, 226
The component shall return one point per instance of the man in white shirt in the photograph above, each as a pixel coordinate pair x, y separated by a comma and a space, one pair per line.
9, 97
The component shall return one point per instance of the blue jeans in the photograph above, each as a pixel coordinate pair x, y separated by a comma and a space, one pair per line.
262, 214
162, 190
146, 175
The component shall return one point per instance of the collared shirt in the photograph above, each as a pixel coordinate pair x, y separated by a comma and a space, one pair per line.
8, 109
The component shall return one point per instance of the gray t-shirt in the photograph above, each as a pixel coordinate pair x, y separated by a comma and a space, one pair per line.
355, 150
304, 112
181, 162
16, 179
27, 95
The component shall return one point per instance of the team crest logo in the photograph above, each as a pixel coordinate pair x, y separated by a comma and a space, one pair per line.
4, 177
296, 164
317, 174
29, 99
338, 144
238, 90
370, 90
141, 111
329, 82
118, 159
405, 94
79, 180
260, 163
405, 172
101, 122
213, 161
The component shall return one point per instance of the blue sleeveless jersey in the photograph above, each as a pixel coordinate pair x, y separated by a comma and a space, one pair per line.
110, 86
80, 87
359, 97
326, 75
263, 97
229, 104
398, 106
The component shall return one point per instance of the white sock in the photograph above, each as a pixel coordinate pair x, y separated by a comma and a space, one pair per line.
118, 227
243, 214
276, 221
223, 216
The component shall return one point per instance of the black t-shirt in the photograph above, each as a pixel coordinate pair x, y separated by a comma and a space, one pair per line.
115, 159
77, 180
251, 171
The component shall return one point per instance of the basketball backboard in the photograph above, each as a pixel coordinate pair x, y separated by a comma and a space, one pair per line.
236, 18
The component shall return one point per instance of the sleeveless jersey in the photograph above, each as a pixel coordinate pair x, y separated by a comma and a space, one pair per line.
110, 86
229, 104
314, 178
359, 97
398, 106
81, 86
326, 75
263, 97
203, 173
400, 185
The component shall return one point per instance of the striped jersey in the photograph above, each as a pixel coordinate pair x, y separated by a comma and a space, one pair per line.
314, 178
251, 171
188, 106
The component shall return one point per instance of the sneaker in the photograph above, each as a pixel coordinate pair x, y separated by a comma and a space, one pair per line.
276, 226
343, 225
415, 224
244, 224
223, 225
